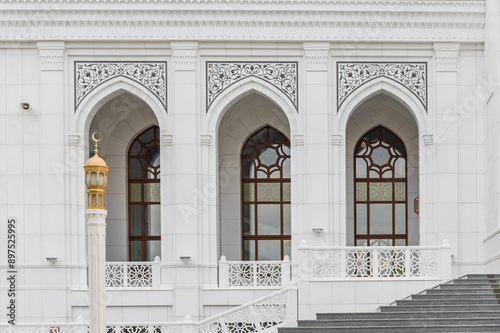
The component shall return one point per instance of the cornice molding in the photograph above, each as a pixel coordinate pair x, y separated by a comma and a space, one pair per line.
228, 20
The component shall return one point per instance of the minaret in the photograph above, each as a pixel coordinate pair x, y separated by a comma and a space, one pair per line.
96, 179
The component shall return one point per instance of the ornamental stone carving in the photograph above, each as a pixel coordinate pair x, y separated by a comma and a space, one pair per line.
352, 75
151, 75
282, 75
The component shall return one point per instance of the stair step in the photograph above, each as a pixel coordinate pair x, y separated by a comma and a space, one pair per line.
409, 315
449, 296
462, 292
394, 329
482, 276
398, 322
422, 302
470, 287
440, 308
476, 281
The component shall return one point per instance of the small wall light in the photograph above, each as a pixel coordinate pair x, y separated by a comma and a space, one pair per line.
317, 231
51, 260
25, 106
185, 259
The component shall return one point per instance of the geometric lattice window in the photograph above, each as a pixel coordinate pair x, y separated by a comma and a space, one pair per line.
380, 185
144, 196
266, 196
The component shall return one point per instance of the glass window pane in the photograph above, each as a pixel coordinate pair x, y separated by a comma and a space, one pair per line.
399, 147
387, 136
275, 173
248, 219
380, 156
261, 174
380, 219
361, 242
361, 194
286, 168
136, 149
152, 219
152, 250
152, 192
361, 168
101, 179
269, 249
249, 250
373, 174
249, 149
136, 251
287, 248
400, 191
400, 168
372, 136
135, 220
381, 242
387, 174
275, 136
135, 168
287, 217
400, 218
268, 192
248, 168
135, 192
268, 219
147, 136
287, 192
400, 242
249, 192
361, 219
93, 178
261, 136
380, 191
268, 156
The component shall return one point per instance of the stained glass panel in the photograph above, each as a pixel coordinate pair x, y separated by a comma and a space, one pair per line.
135, 192
380, 156
248, 192
268, 191
268, 156
361, 193
287, 192
380, 191
400, 191
152, 192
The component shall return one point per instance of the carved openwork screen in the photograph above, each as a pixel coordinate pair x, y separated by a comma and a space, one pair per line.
380, 186
266, 196
144, 196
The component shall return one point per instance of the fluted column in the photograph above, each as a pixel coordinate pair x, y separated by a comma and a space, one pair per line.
96, 247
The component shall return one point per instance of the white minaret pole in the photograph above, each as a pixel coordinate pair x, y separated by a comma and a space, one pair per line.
96, 179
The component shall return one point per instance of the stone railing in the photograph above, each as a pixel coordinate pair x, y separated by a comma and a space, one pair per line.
131, 275
264, 314
397, 262
254, 274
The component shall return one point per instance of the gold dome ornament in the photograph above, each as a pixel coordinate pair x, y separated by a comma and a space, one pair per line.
96, 179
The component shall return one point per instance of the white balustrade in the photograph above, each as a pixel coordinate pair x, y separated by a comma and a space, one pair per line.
131, 275
380, 262
254, 274
271, 311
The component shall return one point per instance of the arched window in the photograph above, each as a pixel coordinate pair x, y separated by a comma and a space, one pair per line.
144, 196
266, 192
380, 183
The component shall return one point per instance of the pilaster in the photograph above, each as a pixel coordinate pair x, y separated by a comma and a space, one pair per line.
444, 153
317, 152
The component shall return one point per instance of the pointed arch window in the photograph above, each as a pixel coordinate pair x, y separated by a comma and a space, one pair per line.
380, 185
144, 196
266, 196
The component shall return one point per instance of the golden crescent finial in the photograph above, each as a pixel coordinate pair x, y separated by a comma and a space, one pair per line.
96, 141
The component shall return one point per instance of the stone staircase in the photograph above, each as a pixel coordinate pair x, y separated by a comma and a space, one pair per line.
468, 304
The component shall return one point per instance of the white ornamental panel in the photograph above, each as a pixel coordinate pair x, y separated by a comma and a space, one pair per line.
151, 75
352, 75
282, 75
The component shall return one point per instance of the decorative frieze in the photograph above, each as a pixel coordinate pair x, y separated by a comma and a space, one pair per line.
168, 139
352, 75
282, 75
73, 139
151, 75
299, 139
428, 139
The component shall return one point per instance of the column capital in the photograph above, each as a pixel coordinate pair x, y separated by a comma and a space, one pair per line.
184, 55
445, 56
51, 55
316, 54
